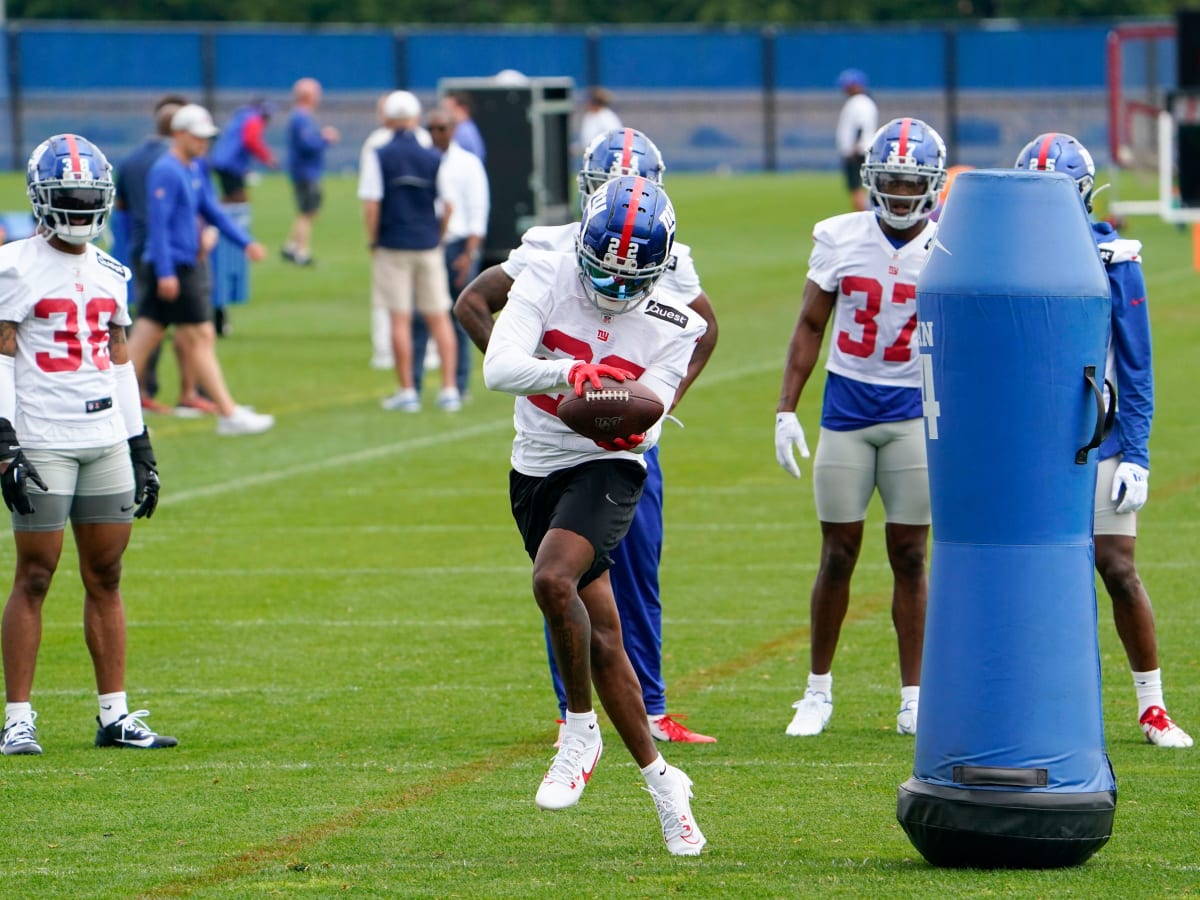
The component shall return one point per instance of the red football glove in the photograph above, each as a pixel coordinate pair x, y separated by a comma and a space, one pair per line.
581, 372
622, 443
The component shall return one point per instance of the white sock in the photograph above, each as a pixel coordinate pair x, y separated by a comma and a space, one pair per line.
582, 724
821, 684
112, 707
910, 693
17, 712
656, 773
1149, 690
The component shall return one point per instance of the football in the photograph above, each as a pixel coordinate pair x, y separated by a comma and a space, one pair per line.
619, 409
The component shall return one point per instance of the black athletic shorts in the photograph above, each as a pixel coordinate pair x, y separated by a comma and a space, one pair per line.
596, 500
852, 169
308, 196
231, 182
191, 307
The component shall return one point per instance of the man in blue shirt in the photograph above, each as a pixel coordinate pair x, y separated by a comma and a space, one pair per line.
175, 271
240, 143
129, 221
306, 142
466, 132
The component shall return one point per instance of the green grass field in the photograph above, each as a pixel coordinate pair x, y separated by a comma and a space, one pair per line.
335, 619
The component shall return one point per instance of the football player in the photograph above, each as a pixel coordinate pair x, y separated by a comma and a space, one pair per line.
623, 151
862, 274
68, 389
1124, 473
570, 318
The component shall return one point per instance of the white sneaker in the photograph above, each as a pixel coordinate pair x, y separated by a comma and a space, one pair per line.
680, 831
906, 719
20, 738
244, 421
570, 771
812, 715
402, 401
382, 363
448, 400
1161, 730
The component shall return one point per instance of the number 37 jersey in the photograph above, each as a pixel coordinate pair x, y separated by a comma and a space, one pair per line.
63, 305
875, 315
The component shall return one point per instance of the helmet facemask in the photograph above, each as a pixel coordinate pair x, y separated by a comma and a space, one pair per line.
904, 171
70, 187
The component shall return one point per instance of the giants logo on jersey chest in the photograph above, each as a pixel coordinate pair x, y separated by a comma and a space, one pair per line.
601, 334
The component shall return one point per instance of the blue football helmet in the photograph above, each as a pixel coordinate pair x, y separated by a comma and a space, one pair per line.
622, 151
1055, 152
71, 188
624, 242
909, 152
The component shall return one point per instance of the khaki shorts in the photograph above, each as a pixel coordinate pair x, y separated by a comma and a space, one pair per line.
1108, 520
93, 486
850, 465
404, 279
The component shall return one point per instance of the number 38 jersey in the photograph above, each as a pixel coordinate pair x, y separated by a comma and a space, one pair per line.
549, 324
873, 341
63, 305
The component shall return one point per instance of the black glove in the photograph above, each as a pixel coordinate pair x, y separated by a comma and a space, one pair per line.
20, 471
145, 475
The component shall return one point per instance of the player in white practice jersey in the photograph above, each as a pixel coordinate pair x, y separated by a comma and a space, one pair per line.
634, 573
570, 318
863, 273
68, 389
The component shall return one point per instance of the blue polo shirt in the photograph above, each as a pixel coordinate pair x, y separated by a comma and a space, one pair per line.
131, 192
306, 147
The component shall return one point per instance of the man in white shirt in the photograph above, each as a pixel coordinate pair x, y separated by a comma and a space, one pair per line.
598, 117
855, 128
466, 200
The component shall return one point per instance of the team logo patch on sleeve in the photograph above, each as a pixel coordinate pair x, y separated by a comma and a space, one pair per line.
109, 263
667, 314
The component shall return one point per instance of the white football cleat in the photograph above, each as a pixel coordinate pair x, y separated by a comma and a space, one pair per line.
244, 420
680, 831
906, 719
812, 715
570, 771
1161, 730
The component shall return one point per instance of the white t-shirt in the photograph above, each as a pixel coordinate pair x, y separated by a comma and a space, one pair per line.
547, 326
857, 124
593, 124
463, 183
680, 284
875, 316
65, 381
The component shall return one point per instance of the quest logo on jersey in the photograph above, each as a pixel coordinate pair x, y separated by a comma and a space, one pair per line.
109, 263
94, 406
667, 314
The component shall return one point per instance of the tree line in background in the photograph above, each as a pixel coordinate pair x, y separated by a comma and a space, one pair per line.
576, 12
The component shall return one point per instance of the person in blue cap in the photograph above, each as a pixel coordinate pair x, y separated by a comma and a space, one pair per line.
856, 126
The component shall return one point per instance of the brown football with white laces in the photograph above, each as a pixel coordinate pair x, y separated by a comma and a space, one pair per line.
618, 409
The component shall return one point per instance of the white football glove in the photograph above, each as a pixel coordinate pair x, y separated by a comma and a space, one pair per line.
789, 437
1134, 481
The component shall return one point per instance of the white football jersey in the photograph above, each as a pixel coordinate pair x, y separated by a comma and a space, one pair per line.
680, 284
63, 304
875, 317
547, 326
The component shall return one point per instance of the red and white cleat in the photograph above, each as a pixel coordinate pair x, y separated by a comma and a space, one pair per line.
1161, 731
667, 728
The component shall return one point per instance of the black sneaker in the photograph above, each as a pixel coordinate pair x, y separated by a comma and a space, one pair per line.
131, 731
288, 254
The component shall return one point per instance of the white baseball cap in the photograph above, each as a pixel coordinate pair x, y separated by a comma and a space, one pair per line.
401, 105
195, 120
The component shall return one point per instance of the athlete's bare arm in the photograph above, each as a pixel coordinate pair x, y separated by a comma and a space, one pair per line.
704, 346
479, 302
118, 349
8, 338
816, 306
